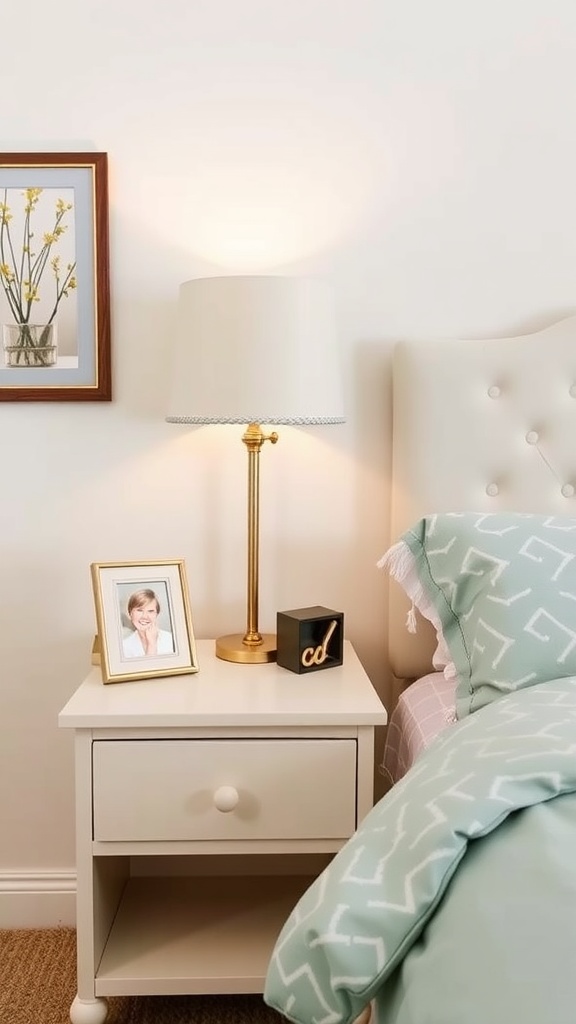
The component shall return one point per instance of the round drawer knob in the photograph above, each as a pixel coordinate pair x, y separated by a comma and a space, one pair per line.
226, 798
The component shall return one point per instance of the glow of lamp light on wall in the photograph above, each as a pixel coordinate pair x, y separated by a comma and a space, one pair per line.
257, 217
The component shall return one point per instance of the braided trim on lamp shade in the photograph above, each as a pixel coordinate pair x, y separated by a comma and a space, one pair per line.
295, 421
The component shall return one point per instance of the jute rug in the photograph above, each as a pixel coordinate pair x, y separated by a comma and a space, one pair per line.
38, 984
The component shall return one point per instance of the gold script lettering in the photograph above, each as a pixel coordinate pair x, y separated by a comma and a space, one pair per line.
318, 655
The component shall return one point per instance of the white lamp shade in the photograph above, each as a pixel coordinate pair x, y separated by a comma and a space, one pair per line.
256, 350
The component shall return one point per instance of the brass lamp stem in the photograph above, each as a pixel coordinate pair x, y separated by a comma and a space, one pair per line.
253, 438
253, 646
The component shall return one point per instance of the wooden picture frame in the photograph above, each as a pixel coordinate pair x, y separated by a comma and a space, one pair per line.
54, 278
144, 622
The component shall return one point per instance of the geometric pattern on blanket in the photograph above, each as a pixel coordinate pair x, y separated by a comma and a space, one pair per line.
358, 919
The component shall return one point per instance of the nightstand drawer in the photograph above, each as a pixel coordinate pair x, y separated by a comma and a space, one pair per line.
152, 790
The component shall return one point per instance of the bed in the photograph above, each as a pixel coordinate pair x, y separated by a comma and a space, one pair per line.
455, 900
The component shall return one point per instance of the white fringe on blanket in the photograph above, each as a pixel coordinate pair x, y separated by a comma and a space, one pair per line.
401, 565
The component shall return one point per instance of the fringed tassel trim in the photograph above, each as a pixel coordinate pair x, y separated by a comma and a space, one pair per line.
411, 624
401, 565
399, 561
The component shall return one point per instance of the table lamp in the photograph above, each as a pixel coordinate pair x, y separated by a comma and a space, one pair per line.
255, 350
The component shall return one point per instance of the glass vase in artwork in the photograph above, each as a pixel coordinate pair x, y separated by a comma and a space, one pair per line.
30, 345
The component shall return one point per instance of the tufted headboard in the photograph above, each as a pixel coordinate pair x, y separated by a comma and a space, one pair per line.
478, 426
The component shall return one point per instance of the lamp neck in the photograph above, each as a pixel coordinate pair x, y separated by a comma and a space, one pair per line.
254, 438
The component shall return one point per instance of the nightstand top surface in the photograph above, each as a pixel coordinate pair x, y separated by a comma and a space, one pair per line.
224, 694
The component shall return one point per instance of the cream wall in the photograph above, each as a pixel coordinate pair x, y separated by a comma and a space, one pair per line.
421, 156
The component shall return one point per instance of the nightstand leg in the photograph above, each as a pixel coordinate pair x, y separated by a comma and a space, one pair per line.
88, 1011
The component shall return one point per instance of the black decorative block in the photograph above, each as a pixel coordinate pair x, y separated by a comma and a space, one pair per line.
309, 639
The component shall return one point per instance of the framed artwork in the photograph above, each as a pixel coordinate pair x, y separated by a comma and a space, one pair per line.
54, 277
143, 620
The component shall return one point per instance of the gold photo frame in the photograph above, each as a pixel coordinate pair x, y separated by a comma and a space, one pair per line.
144, 621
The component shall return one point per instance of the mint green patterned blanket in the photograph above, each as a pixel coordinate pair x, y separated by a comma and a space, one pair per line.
384, 891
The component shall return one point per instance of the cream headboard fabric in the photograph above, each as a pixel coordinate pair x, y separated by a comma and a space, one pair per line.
479, 426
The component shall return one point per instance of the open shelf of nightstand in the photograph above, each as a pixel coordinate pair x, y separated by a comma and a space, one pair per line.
192, 935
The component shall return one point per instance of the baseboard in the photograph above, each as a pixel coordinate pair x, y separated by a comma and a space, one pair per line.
37, 899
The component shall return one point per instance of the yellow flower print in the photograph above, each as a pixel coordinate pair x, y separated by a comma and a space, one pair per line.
22, 268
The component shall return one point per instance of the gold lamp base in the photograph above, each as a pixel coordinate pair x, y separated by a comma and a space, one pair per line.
233, 648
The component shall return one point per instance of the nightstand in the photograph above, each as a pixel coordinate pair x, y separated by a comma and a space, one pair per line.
201, 802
